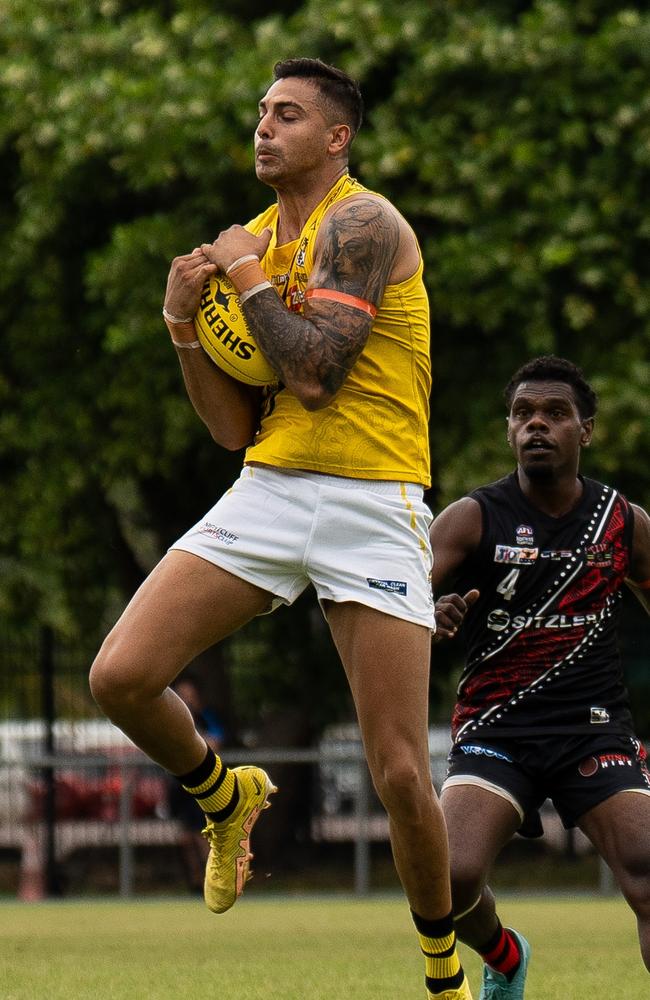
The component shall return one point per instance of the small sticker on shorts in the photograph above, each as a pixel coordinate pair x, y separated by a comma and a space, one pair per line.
598, 716
392, 586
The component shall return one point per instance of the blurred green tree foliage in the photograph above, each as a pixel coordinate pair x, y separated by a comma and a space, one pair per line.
515, 137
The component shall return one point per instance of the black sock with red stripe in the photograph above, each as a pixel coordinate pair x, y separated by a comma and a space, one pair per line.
501, 952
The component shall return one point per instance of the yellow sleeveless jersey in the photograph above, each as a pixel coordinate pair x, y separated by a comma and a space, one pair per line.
376, 427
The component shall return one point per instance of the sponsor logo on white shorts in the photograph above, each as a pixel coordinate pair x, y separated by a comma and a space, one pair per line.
220, 534
392, 586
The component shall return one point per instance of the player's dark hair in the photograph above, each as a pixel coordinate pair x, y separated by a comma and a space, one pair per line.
550, 368
339, 90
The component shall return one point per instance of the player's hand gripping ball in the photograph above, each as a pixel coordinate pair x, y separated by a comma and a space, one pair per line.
225, 337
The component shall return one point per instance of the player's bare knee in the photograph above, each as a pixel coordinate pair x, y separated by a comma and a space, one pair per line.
115, 684
467, 881
404, 791
634, 882
99, 679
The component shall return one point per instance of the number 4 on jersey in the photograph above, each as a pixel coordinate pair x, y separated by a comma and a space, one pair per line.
508, 585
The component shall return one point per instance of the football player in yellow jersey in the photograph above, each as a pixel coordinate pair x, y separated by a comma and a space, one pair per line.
349, 520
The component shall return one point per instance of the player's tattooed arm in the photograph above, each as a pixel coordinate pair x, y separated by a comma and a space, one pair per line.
639, 578
356, 248
313, 353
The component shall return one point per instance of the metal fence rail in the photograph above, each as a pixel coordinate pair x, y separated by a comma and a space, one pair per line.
42, 845
48, 737
43, 842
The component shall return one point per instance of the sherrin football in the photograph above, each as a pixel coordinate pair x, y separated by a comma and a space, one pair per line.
225, 337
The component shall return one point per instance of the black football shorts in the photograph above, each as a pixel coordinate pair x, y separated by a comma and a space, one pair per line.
576, 773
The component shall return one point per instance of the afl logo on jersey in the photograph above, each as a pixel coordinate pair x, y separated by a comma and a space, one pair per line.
524, 535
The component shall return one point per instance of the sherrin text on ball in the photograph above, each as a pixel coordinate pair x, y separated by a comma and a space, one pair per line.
225, 337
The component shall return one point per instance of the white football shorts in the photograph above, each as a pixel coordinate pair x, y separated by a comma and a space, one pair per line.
353, 539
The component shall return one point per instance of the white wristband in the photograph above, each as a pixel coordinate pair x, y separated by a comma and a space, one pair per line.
191, 345
176, 319
253, 291
242, 260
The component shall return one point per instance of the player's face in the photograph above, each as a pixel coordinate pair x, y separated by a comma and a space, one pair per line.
545, 429
292, 136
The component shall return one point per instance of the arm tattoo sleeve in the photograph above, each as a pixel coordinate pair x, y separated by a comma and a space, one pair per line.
355, 254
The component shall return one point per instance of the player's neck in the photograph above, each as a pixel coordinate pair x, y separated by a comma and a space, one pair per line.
554, 496
297, 202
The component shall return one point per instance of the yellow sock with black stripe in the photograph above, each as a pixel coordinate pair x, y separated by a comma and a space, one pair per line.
443, 971
214, 786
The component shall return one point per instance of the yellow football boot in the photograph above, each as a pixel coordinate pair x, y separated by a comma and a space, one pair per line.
227, 868
462, 993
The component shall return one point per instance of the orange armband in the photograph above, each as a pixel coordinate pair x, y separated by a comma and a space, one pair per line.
346, 300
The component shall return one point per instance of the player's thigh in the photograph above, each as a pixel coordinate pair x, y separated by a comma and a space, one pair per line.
480, 823
386, 660
619, 829
372, 548
184, 606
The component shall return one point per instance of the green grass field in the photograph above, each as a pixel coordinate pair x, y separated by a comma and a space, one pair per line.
327, 948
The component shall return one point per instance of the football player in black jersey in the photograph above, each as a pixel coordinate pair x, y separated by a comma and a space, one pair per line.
538, 562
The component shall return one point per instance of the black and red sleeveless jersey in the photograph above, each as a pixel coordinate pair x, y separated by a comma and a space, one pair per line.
542, 650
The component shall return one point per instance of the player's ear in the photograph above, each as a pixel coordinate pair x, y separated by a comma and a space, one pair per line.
340, 140
587, 431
